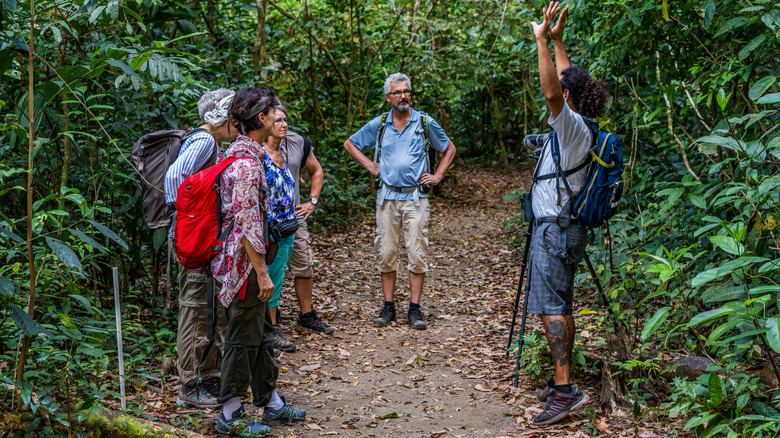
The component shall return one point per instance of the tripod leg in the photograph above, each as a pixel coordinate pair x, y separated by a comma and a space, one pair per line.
521, 339
519, 285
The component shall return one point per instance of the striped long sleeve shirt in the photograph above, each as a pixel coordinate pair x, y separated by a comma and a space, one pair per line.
193, 156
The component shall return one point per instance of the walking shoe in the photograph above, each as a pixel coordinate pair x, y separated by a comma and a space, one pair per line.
196, 396
280, 342
313, 322
543, 394
241, 425
416, 319
560, 405
385, 316
287, 414
277, 352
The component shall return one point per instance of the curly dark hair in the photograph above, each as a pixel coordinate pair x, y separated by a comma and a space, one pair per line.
588, 95
247, 104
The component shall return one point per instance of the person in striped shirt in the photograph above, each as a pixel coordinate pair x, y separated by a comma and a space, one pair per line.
200, 150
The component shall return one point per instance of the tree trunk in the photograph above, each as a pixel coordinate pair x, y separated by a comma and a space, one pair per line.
65, 138
497, 119
30, 257
259, 53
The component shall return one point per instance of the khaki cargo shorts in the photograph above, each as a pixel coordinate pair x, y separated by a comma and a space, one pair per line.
301, 261
396, 219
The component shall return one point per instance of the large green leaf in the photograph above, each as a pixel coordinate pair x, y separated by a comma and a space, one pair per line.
7, 287
86, 239
652, 325
159, 237
768, 99
768, 185
773, 333
768, 267
721, 330
25, 323
725, 269
755, 42
108, 233
715, 388
64, 253
709, 315
728, 244
730, 25
761, 85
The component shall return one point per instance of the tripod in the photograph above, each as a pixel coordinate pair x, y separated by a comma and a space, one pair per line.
526, 265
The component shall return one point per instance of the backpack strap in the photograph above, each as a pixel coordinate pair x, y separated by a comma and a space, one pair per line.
306, 151
380, 133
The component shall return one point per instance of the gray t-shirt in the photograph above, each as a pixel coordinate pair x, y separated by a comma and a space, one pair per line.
575, 139
293, 146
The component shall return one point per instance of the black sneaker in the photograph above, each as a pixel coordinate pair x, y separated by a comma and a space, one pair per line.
385, 316
313, 322
196, 396
560, 405
416, 320
280, 342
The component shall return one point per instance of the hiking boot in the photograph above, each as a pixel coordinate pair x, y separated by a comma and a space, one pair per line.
416, 319
240, 424
196, 396
385, 316
277, 352
560, 405
313, 322
280, 342
543, 394
287, 414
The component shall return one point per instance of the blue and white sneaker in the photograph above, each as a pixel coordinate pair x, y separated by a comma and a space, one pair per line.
241, 424
287, 414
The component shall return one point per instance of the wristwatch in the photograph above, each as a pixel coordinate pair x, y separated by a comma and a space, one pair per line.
313, 201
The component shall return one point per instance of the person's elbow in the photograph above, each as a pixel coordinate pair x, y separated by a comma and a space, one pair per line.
553, 96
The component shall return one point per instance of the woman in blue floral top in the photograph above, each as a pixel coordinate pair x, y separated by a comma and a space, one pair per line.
282, 208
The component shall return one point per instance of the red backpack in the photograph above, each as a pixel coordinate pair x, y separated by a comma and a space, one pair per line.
198, 217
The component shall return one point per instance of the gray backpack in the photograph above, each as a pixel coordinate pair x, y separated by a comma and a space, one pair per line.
152, 155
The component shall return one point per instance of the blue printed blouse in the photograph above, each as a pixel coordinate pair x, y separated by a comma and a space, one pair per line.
282, 186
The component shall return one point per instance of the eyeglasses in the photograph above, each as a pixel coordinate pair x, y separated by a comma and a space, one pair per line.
281, 120
398, 94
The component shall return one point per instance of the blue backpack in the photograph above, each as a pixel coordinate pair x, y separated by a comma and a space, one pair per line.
598, 200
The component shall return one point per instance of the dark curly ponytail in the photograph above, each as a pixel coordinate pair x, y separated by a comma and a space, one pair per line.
588, 95
247, 104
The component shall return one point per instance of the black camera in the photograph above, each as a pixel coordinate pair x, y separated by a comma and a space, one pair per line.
534, 141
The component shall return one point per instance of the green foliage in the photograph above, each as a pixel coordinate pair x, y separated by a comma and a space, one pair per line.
693, 258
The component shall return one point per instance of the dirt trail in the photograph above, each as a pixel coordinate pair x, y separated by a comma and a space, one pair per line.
451, 380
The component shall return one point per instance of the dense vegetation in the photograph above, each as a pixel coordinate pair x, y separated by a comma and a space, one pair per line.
692, 261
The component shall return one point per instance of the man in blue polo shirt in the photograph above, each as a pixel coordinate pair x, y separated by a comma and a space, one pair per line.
402, 208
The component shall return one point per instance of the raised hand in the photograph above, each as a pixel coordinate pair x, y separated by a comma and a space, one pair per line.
556, 33
541, 29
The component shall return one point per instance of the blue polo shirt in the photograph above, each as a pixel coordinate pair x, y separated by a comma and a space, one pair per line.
402, 156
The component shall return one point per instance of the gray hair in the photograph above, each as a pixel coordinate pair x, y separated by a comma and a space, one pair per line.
208, 104
280, 107
396, 77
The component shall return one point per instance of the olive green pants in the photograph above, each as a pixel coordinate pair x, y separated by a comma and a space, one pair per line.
248, 359
191, 336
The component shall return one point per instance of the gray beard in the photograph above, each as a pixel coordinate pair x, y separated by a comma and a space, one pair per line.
403, 107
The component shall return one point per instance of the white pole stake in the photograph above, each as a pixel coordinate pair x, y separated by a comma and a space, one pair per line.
119, 338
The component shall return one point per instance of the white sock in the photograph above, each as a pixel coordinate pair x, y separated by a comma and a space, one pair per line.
276, 402
231, 406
